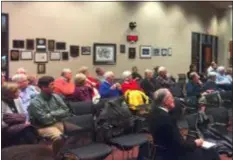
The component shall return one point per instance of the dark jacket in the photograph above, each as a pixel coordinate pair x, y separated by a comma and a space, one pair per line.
193, 89
210, 85
167, 136
164, 83
81, 93
148, 86
136, 75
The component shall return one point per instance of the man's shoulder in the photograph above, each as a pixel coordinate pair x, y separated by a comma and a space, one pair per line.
36, 100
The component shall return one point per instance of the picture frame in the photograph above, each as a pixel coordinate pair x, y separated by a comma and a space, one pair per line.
60, 46
74, 51
26, 55
164, 52
122, 48
41, 57
169, 53
132, 53
86, 50
145, 52
41, 68
40, 45
30, 44
51, 45
65, 56
18, 44
156, 52
14, 55
104, 54
55, 56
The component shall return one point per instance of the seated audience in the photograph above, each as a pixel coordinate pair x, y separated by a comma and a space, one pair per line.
108, 89
64, 85
148, 84
32, 82
90, 80
14, 122
135, 74
82, 92
47, 110
212, 68
165, 133
210, 84
163, 80
193, 87
221, 76
100, 74
21, 71
192, 68
129, 83
26, 93
155, 75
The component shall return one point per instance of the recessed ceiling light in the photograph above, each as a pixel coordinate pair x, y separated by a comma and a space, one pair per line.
230, 6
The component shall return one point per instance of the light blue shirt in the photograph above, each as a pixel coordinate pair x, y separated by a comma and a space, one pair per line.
223, 79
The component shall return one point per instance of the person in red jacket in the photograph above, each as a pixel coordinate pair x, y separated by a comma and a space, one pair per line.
129, 83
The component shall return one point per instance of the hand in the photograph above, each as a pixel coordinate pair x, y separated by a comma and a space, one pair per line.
113, 87
199, 142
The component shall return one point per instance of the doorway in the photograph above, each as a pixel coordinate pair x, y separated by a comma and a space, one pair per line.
207, 57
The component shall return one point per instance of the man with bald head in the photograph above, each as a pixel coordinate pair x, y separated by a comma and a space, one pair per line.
166, 135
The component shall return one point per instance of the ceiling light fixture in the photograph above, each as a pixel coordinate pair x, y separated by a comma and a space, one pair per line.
230, 6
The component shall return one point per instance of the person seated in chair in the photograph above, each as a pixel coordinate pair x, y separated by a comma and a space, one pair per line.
108, 89
193, 87
221, 76
148, 84
163, 80
129, 83
192, 68
211, 82
212, 68
47, 111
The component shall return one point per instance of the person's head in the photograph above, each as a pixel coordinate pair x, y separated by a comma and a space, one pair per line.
46, 84
156, 69
162, 71
164, 98
109, 76
21, 71
194, 77
99, 71
32, 79
148, 74
214, 65
10, 91
135, 69
221, 70
127, 75
212, 76
229, 71
84, 70
67, 74
80, 79
21, 80
193, 68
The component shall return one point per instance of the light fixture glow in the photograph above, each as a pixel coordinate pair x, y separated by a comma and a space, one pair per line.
230, 6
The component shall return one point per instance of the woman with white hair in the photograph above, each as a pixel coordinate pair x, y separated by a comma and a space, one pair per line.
129, 83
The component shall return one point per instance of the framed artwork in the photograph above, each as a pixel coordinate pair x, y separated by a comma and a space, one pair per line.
132, 53
156, 52
51, 45
55, 56
104, 54
14, 55
41, 68
41, 57
145, 52
169, 51
18, 43
86, 50
65, 56
60, 46
40, 44
122, 48
74, 51
30, 44
164, 51
26, 55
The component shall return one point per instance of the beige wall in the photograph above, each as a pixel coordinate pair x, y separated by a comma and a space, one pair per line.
83, 23
225, 35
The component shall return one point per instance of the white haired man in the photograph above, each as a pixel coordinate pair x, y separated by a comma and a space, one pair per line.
63, 85
163, 80
164, 130
221, 76
129, 83
108, 89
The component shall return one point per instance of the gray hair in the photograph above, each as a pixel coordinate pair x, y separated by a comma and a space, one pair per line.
160, 95
193, 74
108, 74
65, 70
19, 77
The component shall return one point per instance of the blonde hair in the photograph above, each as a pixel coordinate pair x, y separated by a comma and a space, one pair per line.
126, 74
83, 70
21, 71
80, 79
9, 89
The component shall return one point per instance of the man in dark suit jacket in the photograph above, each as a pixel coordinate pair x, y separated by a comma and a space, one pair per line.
148, 84
166, 135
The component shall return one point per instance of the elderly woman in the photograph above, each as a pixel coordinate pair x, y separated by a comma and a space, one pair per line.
129, 83
14, 122
82, 92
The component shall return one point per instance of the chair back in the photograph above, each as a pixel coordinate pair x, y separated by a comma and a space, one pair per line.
191, 119
220, 115
81, 108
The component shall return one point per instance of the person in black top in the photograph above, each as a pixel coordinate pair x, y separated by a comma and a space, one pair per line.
148, 84
164, 80
192, 68
135, 74
166, 135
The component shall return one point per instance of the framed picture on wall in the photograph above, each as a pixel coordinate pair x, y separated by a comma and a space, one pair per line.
41, 57
145, 52
40, 44
26, 55
74, 51
156, 52
41, 68
132, 53
164, 52
65, 56
86, 50
18, 43
14, 54
104, 54
122, 48
60, 46
51, 45
30, 44
169, 51
55, 56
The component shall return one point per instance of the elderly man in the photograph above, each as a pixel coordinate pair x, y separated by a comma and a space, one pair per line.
163, 81
64, 85
26, 93
108, 89
129, 83
221, 76
148, 84
166, 135
194, 86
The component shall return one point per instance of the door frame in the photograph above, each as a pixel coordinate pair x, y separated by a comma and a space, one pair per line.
201, 57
